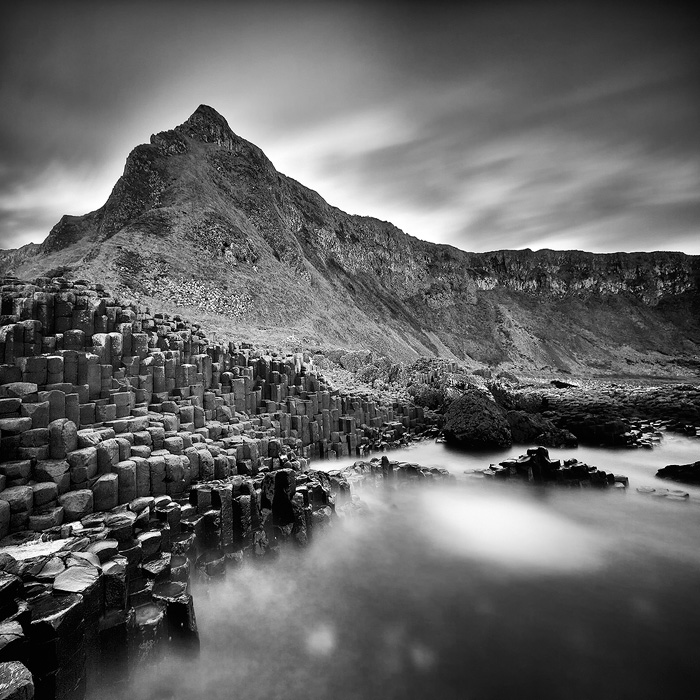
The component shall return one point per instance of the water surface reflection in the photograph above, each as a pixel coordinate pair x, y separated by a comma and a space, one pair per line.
477, 591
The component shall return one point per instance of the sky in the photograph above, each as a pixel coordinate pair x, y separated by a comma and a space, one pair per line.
483, 125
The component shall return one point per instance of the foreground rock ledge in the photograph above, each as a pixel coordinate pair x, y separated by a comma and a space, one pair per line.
112, 592
15, 681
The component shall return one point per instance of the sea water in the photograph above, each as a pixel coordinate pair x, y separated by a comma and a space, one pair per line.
479, 589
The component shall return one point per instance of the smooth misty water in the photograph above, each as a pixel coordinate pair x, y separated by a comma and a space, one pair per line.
480, 590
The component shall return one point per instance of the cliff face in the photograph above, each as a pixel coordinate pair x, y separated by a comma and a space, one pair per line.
202, 219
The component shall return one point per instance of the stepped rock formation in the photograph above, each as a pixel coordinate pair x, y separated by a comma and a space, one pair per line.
202, 219
134, 450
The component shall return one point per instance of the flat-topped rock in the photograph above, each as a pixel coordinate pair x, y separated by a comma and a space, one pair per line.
18, 390
76, 504
683, 473
104, 549
55, 616
20, 498
76, 579
15, 681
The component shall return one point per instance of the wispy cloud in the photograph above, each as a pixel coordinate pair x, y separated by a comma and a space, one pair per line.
488, 125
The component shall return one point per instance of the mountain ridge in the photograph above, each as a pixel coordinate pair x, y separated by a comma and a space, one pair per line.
201, 208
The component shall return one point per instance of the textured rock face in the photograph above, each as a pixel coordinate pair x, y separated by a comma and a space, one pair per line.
537, 467
474, 421
200, 200
534, 428
15, 681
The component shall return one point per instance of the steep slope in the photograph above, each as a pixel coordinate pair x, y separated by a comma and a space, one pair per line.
201, 219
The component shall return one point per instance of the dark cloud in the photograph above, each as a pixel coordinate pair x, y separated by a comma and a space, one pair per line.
591, 130
485, 125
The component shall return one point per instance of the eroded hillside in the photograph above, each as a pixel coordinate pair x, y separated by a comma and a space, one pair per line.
202, 220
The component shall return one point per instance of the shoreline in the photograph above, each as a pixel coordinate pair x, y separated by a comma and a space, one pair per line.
138, 456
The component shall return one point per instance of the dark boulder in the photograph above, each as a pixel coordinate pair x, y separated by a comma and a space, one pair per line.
535, 428
598, 428
559, 384
685, 473
475, 421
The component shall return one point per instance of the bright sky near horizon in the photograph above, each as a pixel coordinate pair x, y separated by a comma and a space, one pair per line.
485, 125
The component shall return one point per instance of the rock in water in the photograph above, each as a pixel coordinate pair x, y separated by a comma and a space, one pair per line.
685, 473
475, 421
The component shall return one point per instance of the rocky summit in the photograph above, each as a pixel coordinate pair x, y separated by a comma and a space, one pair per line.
201, 220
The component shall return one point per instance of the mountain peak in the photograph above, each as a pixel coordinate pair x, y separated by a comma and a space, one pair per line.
201, 219
207, 125
205, 112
